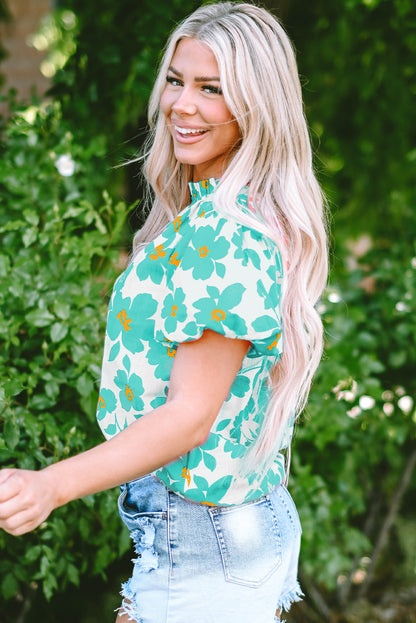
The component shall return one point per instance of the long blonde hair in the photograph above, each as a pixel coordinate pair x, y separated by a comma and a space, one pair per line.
260, 82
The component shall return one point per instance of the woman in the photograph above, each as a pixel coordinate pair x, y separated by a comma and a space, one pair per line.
212, 337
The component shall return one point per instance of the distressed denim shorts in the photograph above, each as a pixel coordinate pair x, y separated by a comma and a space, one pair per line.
202, 564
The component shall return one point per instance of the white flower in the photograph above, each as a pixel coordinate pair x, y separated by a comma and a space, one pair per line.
65, 165
366, 402
388, 408
334, 297
354, 412
405, 403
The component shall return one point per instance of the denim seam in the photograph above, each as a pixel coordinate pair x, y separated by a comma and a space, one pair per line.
294, 523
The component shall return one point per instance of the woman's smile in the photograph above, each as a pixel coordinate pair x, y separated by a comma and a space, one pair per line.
186, 134
203, 130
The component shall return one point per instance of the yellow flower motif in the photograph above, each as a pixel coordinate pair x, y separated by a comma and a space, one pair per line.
126, 322
129, 393
158, 252
177, 223
171, 352
205, 183
174, 310
174, 259
101, 403
203, 251
217, 314
186, 475
274, 343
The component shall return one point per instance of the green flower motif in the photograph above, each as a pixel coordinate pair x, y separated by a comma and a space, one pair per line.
131, 319
161, 356
273, 294
174, 310
157, 402
202, 189
215, 309
235, 449
151, 265
107, 402
242, 252
131, 388
180, 471
236, 432
179, 476
240, 386
207, 249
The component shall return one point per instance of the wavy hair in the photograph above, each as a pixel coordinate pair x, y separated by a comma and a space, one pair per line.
261, 87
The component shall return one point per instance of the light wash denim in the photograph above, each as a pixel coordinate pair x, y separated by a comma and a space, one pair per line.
202, 564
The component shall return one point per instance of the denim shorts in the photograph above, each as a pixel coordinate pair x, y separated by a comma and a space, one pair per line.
203, 564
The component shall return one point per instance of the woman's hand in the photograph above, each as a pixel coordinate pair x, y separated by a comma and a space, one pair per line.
26, 499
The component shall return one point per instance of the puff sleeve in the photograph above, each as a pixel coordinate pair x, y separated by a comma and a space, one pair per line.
226, 277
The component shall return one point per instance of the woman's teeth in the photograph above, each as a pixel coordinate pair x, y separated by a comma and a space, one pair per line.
188, 131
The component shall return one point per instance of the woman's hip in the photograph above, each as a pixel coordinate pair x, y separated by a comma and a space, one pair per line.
201, 563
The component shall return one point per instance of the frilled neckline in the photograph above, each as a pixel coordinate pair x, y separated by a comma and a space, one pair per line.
201, 189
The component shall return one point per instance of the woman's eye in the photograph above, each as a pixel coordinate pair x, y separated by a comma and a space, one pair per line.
174, 81
209, 88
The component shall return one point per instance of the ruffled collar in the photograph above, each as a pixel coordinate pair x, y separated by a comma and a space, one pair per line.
202, 189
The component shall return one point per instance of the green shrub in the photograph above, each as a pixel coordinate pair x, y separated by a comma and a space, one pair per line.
59, 253
353, 452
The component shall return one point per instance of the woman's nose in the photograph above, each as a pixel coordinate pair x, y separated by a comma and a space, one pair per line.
185, 102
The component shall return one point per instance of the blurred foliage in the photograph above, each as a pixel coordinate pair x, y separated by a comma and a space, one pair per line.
353, 450
358, 62
58, 251
359, 429
105, 84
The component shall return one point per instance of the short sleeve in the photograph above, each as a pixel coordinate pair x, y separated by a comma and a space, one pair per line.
225, 277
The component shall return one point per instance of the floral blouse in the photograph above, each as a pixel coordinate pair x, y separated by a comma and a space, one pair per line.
204, 271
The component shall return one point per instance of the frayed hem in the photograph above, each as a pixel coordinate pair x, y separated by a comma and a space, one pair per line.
128, 608
288, 599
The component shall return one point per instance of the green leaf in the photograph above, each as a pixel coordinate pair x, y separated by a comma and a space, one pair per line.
58, 331
32, 217
33, 553
84, 385
210, 461
201, 483
111, 429
4, 265
30, 236
62, 310
40, 317
264, 323
11, 434
72, 574
9, 586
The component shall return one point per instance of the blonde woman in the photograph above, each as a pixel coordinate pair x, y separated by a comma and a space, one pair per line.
212, 336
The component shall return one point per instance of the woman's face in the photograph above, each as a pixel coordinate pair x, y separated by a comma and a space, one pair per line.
203, 130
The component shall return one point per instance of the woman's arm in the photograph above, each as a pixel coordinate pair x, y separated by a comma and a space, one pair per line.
201, 378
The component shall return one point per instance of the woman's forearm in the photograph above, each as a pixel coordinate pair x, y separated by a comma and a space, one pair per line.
152, 441
200, 381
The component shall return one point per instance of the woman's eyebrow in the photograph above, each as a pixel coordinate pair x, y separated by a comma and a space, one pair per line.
206, 79
197, 78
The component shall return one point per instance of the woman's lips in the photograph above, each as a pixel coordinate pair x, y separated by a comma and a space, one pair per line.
188, 135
